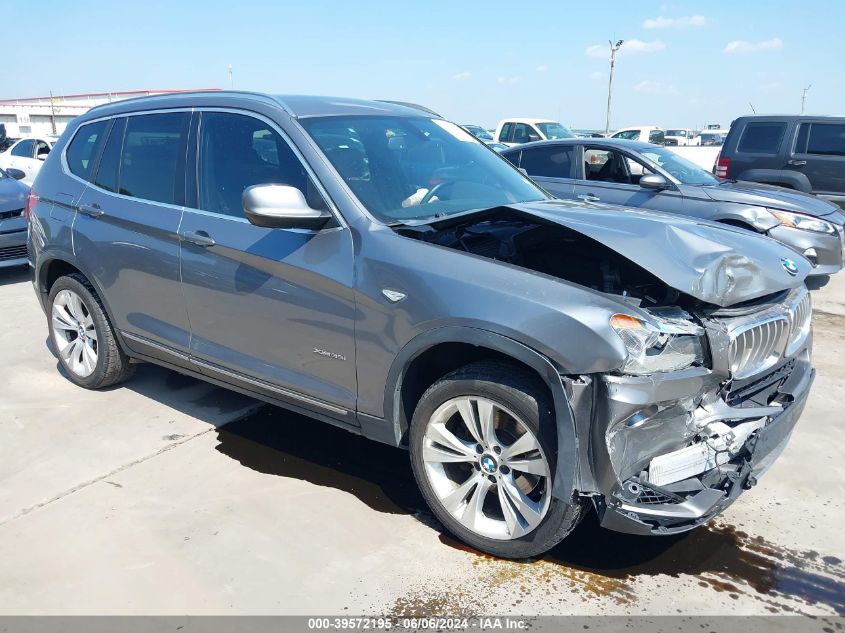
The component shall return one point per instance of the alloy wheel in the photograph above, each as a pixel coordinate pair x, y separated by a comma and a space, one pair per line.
486, 467
74, 333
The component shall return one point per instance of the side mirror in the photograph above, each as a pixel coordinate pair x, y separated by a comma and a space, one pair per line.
17, 174
533, 137
42, 155
281, 207
654, 181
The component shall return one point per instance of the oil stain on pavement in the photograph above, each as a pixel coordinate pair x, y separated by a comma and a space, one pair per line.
591, 561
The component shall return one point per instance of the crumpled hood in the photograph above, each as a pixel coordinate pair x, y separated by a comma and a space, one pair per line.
714, 263
755, 193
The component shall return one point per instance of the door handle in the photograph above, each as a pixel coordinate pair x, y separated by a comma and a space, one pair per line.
589, 197
797, 163
91, 210
198, 238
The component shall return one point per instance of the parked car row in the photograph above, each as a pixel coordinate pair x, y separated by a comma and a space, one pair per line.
806, 154
643, 175
378, 268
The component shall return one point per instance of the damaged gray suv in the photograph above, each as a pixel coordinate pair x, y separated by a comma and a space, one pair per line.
377, 268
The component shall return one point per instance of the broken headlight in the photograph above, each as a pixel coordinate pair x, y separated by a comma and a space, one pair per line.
804, 222
658, 345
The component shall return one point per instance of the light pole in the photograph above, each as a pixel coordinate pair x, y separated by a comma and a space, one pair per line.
52, 112
804, 97
231, 78
613, 49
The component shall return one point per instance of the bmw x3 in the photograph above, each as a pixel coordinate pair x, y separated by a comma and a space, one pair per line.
376, 267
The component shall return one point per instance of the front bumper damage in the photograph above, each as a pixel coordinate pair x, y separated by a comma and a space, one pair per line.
670, 451
825, 252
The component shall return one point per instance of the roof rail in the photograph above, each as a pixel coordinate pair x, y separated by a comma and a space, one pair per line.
407, 104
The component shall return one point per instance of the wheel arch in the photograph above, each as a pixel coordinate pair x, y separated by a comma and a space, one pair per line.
780, 177
433, 354
52, 267
751, 217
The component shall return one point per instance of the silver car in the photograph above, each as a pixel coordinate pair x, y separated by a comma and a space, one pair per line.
380, 269
635, 174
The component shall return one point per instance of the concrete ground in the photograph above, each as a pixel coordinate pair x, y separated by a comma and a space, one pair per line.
164, 496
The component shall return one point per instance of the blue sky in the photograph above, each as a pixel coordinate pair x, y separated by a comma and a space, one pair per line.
684, 63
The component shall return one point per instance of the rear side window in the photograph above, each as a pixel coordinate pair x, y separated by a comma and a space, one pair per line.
657, 137
628, 135
149, 161
109, 169
523, 133
551, 162
506, 132
825, 139
82, 150
24, 149
762, 137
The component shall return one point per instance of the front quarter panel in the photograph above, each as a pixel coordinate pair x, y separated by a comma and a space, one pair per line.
444, 288
753, 215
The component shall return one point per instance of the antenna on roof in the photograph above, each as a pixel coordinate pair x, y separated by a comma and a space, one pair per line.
752, 108
231, 78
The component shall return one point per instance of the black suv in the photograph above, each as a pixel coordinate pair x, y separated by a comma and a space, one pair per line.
806, 153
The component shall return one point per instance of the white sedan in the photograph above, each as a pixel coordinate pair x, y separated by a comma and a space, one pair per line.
28, 155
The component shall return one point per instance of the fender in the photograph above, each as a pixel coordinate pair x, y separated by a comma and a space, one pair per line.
758, 217
567, 437
787, 177
40, 276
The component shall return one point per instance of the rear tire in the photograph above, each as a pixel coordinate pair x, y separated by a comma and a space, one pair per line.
482, 486
83, 337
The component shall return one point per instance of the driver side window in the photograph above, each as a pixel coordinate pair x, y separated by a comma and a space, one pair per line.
237, 151
606, 166
41, 150
636, 170
612, 166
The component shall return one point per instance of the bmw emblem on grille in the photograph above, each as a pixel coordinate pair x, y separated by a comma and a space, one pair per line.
789, 266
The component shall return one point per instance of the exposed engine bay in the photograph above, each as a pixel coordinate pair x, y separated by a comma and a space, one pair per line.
668, 448
509, 236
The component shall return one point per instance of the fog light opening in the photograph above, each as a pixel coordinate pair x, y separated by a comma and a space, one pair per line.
811, 254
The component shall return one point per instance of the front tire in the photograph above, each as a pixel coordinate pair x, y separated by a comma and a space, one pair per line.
483, 452
83, 337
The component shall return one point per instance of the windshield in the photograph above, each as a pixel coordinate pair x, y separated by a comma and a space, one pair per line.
409, 168
676, 133
479, 132
684, 170
554, 131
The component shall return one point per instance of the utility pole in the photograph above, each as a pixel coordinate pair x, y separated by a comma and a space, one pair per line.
804, 97
52, 113
613, 49
231, 78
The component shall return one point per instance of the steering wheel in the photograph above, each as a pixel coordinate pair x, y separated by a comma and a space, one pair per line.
433, 191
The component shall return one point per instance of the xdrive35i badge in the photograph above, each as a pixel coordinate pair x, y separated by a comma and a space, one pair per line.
323, 352
789, 266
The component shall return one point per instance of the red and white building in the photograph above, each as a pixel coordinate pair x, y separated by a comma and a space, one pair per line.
34, 116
